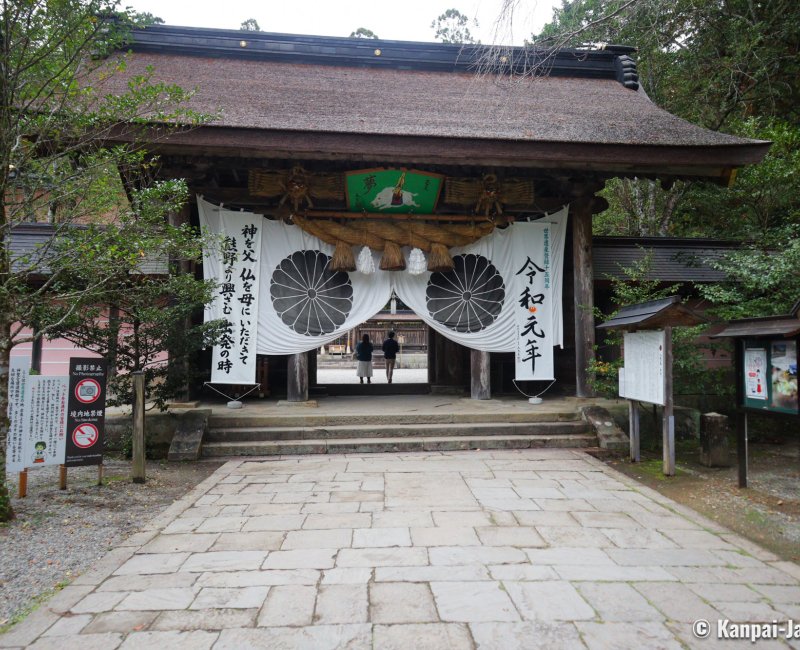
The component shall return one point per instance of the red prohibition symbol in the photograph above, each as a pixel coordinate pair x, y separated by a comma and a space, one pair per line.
85, 435
87, 391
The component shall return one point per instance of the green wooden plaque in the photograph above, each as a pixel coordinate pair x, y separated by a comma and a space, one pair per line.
392, 191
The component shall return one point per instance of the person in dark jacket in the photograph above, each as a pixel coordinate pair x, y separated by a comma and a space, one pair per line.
364, 356
390, 349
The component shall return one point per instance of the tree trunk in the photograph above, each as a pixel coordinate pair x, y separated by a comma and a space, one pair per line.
6, 511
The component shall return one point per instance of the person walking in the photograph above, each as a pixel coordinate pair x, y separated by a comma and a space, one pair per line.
390, 348
364, 356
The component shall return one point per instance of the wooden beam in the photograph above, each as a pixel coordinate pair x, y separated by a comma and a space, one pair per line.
338, 214
626, 160
584, 293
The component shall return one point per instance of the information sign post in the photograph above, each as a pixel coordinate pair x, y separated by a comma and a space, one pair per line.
766, 372
647, 373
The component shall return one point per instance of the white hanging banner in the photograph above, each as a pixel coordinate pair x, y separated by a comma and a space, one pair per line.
558, 234
237, 270
532, 290
18, 373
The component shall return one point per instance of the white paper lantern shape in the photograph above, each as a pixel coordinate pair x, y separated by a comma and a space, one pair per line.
416, 262
365, 264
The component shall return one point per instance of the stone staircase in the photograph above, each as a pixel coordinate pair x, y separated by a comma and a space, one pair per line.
303, 433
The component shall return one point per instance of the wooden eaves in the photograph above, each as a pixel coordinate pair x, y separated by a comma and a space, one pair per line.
653, 314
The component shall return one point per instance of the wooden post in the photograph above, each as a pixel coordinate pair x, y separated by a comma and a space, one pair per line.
669, 417
100, 474
741, 415
480, 375
431, 333
36, 351
583, 293
297, 378
633, 429
22, 490
741, 446
138, 465
62, 477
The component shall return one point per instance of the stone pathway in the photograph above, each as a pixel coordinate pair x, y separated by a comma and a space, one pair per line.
487, 549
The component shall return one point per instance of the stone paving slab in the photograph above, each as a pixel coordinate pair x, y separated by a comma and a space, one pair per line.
483, 549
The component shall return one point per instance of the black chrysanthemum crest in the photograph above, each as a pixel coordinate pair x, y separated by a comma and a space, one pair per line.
308, 296
469, 298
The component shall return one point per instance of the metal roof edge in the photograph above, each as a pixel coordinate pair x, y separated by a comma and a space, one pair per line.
609, 62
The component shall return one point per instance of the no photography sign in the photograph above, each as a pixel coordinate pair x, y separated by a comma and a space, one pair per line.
86, 414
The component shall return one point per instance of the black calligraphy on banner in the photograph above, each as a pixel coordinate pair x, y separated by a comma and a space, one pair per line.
234, 354
533, 309
531, 331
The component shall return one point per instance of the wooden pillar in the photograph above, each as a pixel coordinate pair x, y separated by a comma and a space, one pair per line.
480, 376
138, 464
669, 417
635, 444
431, 356
297, 378
584, 292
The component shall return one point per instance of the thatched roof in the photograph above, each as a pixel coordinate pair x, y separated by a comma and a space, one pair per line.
323, 86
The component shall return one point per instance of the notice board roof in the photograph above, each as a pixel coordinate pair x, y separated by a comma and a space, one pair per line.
654, 314
786, 325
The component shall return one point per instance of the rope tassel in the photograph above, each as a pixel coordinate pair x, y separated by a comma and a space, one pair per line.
392, 259
343, 259
439, 259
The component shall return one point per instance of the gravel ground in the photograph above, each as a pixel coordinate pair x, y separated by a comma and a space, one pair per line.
57, 534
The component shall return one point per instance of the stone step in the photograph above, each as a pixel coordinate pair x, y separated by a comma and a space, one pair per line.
489, 429
376, 445
380, 420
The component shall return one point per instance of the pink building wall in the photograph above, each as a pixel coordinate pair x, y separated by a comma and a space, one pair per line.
56, 354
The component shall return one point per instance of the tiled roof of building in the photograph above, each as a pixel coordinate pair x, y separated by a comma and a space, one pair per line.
28, 239
672, 259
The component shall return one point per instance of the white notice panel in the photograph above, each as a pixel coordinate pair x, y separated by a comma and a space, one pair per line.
755, 368
45, 420
17, 382
644, 366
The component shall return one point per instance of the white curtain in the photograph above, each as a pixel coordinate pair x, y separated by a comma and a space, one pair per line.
304, 305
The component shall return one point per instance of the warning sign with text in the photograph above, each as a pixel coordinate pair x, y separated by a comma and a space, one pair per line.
86, 414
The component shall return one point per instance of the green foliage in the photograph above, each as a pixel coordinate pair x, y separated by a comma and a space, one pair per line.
760, 281
363, 32
57, 118
453, 27
730, 66
250, 25
765, 199
151, 314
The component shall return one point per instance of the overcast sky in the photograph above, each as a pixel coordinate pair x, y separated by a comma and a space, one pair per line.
401, 20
